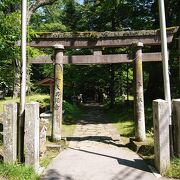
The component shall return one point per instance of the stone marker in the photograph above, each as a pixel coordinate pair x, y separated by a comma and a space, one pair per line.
10, 133
161, 135
43, 132
31, 138
176, 126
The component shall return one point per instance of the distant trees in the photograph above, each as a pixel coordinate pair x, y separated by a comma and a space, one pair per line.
92, 15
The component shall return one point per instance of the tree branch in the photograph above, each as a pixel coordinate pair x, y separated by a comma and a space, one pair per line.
34, 6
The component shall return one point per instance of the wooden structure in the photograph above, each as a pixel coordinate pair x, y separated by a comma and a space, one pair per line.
96, 41
48, 82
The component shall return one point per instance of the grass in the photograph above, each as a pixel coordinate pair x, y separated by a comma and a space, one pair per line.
122, 120
17, 172
174, 170
43, 100
68, 130
48, 156
72, 112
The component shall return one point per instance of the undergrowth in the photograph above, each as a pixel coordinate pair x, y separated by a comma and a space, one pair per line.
174, 169
17, 172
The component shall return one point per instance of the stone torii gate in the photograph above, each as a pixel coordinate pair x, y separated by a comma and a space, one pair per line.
97, 41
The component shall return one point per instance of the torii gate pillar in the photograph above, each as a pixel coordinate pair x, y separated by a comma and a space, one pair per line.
139, 116
58, 93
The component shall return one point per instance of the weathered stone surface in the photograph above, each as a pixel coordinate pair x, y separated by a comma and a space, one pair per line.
10, 132
161, 135
52, 147
139, 116
42, 141
31, 138
1, 117
58, 93
176, 126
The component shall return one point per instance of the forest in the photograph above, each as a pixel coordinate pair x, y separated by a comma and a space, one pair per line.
92, 81
111, 85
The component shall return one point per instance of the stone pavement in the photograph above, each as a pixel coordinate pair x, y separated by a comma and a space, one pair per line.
96, 153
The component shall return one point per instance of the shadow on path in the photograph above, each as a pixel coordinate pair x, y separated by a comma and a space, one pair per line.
53, 174
137, 163
103, 139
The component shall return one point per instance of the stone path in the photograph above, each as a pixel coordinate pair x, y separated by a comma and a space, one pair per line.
95, 153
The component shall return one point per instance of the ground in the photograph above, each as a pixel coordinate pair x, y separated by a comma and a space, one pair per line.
96, 152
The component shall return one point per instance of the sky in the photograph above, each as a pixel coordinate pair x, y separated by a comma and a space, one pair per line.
80, 1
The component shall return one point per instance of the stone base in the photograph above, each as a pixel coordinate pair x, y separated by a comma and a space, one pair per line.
53, 147
56, 138
135, 145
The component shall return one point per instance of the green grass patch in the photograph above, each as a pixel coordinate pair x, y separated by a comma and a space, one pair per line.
43, 99
17, 172
174, 170
48, 156
71, 113
68, 130
125, 128
123, 122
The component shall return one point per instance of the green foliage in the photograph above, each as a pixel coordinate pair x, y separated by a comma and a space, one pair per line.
17, 172
44, 162
123, 122
9, 34
41, 98
71, 113
174, 170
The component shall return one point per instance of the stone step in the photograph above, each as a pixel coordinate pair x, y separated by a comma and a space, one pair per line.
53, 147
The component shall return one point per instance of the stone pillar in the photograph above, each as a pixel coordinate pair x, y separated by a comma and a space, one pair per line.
179, 57
58, 93
176, 126
10, 133
161, 135
139, 116
31, 137
51, 96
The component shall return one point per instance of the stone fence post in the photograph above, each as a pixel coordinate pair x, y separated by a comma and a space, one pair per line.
10, 132
176, 126
31, 138
161, 135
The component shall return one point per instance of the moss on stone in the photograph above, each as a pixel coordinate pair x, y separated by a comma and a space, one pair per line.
96, 35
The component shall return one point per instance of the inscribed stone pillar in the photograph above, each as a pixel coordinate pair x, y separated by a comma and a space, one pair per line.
58, 93
51, 96
139, 116
161, 135
10, 133
176, 126
179, 58
31, 137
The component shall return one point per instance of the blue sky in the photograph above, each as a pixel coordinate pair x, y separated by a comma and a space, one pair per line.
80, 1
